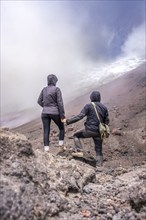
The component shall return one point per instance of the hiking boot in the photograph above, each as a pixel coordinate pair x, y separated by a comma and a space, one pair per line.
46, 148
77, 154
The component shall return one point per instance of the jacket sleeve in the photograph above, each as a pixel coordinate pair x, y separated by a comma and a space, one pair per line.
106, 119
60, 103
78, 117
40, 99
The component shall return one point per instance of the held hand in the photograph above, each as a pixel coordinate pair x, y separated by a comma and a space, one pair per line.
63, 120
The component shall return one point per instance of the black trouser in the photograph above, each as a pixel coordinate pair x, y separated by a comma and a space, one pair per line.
89, 134
46, 119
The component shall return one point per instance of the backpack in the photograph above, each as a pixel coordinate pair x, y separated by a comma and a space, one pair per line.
103, 128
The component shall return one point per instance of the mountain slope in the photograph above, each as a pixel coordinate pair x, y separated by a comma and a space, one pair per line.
38, 185
125, 99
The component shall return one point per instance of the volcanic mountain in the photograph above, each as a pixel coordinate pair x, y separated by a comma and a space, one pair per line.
38, 185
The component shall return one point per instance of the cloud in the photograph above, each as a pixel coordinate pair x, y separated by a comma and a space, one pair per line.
64, 38
33, 45
135, 43
106, 25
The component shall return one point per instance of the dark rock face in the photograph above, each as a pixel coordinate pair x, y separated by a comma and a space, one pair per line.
29, 203
14, 145
37, 185
25, 191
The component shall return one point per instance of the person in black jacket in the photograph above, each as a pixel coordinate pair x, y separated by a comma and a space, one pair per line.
91, 129
50, 99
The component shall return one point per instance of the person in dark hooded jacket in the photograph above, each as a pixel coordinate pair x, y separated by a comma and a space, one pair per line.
91, 129
50, 99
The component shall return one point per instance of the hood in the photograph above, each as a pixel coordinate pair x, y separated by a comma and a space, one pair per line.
95, 96
52, 79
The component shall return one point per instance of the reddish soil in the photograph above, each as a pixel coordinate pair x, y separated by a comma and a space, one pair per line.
125, 99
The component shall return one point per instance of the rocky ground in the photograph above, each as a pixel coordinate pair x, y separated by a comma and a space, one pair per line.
39, 185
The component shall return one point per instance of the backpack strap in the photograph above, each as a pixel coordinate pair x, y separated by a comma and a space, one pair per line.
96, 111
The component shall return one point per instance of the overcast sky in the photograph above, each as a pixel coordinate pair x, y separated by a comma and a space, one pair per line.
62, 37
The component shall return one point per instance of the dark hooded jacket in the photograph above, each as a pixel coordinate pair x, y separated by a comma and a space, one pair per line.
92, 122
51, 98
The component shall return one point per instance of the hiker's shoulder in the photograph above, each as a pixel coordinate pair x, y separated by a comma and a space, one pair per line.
103, 106
88, 105
57, 88
44, 88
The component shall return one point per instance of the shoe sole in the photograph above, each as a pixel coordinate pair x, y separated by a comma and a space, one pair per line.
78, 154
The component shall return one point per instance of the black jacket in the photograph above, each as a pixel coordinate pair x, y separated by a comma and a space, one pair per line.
92, 122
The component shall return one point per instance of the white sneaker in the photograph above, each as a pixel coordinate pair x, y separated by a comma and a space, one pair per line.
61, 143
46, 148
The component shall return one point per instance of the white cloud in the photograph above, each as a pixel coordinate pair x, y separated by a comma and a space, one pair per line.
33, 45
42, 37
135, 43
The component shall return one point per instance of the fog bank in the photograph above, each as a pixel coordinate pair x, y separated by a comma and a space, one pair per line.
83, 43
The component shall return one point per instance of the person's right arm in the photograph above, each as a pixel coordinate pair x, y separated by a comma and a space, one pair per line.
78, 117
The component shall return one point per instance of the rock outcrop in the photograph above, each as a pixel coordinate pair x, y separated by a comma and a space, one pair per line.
37, 185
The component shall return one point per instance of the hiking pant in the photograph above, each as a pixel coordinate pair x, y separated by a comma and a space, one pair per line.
88, 134
46, 119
